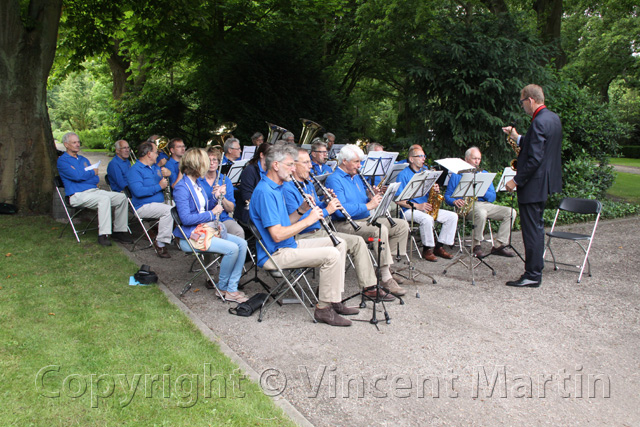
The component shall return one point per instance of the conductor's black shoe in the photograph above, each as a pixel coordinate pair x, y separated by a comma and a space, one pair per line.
523, 282
103, 239
121, 236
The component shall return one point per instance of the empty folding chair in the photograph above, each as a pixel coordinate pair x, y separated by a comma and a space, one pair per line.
287, 280
199, 258
66, 204
579, 206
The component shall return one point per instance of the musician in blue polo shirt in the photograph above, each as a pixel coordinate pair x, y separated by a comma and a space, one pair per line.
277, 229
350, 189
319, 155
81, 186
177, 149
146, 183
119, 166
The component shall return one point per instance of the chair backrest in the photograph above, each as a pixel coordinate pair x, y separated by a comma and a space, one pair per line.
57, 181
176, 217
581, 206
106, 179
127, 192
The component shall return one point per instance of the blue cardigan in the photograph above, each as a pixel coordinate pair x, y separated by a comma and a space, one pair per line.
184, 195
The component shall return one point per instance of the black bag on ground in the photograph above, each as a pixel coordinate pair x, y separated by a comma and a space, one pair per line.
247, 308
145, 276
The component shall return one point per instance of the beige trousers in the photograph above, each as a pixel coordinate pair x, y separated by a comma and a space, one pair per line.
393, 238
486, 210
103, 201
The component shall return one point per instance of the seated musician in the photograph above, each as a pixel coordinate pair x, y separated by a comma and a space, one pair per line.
289, 138
232, 151
257, 138
319, 155
350, 189
212, 181
484, 209
330, 139
249, 179
422, 211
119, 166
356, 245
147, 183
196, 206
176, 148
81, 186
277, 229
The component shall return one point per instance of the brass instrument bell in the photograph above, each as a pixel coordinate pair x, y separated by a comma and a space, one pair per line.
275, 133
221, 133
309, 130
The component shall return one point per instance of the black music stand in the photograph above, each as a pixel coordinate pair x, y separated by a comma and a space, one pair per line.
335, 149
378, 163
378, 212
417, 187
235, 170
471, 185
507, 176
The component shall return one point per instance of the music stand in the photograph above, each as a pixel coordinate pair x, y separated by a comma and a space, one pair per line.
471, 185
332, 164
378, 212
248, 151
335, 149
236, 169
417, 187
507, 176
378, 163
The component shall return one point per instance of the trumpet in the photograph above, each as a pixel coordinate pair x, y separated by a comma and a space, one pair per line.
312, 203
344, 212
392, 223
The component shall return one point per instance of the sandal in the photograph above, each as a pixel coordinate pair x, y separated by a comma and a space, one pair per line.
236, 297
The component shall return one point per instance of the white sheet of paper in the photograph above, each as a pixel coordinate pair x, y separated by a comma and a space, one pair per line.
93, 166
455, 165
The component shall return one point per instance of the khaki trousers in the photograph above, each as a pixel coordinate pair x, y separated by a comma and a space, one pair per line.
161, 212
103, 201
357, 248
316, 253
486, 210
393, 238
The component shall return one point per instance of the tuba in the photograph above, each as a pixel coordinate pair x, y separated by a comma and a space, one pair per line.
221, 133
275, 133
309, 130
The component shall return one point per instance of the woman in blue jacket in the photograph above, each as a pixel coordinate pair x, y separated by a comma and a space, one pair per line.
195, 207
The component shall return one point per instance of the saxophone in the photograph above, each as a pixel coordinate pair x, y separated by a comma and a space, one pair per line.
514, 144
435, 200
468, 205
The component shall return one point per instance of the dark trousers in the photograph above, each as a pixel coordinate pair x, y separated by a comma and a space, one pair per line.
532, 222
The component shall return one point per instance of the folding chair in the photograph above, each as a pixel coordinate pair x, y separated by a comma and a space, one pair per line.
145, 230
199, 258
66, 204
579, 206
287, 279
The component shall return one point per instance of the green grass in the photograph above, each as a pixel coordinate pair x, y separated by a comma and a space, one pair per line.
68, 307
625, 162
626, 187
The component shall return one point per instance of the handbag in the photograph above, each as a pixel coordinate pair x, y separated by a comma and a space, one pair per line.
145, 276
201, 236
247, 308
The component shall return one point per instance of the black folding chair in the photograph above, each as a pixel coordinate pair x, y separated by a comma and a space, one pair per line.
583, 207
145, 230
66, 204
199, 258
287, 279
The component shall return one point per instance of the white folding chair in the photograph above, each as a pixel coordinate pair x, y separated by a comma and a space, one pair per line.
145, 230
583, 207
66, 204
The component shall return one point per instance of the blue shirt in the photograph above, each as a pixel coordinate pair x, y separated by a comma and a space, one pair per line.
117, 171
351, 192
226, 161
293, 199
174, 167
74, 177
267, 209
161, 156
317, 169
208, 189
404, 177
144, 184
454, 180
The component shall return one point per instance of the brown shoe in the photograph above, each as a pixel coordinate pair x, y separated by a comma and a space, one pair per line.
502, 251
477, 251
427, 254
330, 317
394, 288
340, 308
373, 294
161, 251
442, 253
399, 279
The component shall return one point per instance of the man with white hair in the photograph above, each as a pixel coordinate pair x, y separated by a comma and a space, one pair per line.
81, 186
289, 138
352, 193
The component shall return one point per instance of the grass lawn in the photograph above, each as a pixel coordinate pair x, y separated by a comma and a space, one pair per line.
626, 187
79, 347
625, 162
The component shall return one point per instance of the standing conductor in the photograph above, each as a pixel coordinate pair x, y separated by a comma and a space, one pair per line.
539, 174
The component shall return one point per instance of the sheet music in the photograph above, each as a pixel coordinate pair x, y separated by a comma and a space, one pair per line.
507, 176
394, 172
236, 170
248, 151
335, 149
378, 163
419, 185
384, 204
455, 165
466, 188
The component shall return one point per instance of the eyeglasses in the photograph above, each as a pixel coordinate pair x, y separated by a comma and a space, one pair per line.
306, 162
124, 148
289, 165
320, 151
522, 100
421, 156
235, 148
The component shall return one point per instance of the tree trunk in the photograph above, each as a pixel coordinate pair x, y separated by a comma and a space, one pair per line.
549, 13
27, 151
118, 66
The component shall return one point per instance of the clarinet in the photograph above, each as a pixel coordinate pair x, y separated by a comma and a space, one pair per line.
392, 223
311, 203
344, 212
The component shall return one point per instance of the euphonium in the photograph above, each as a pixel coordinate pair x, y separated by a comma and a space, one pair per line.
435, 200
163, 145
221, 133
275, 133
514, 144
309, 130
